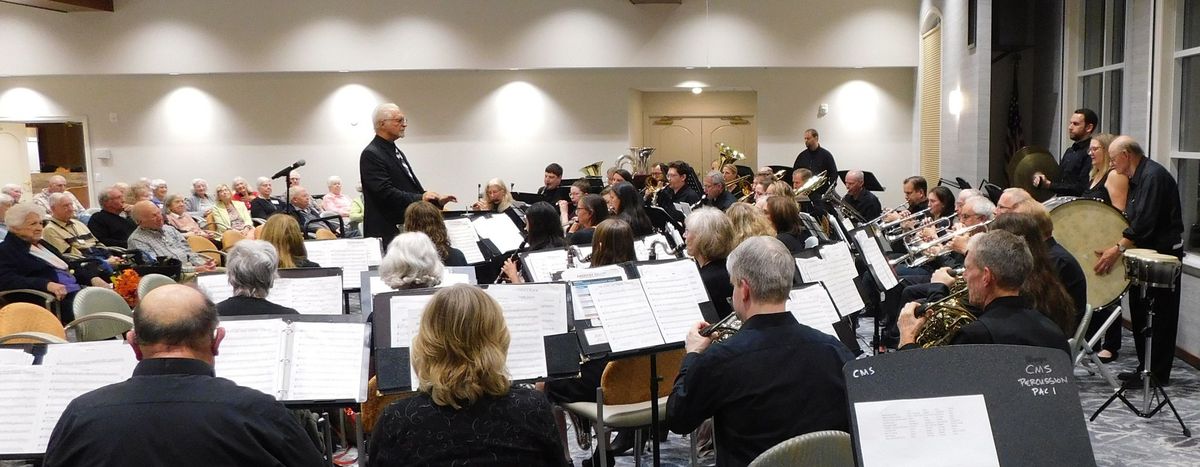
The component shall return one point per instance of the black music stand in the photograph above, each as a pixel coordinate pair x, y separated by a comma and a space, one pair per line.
870, 183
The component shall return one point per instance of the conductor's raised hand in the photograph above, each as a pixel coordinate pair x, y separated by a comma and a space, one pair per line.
695, 342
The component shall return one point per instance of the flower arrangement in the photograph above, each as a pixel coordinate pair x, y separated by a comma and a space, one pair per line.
125, 283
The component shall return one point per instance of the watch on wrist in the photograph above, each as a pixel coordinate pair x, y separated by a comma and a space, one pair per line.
1121, 248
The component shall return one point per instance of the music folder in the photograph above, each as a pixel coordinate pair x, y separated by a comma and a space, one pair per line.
297, 359
537, 315
352, 255
872, 251
310, 291
833, 265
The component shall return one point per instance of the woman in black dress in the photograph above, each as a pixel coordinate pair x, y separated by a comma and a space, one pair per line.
1111, 187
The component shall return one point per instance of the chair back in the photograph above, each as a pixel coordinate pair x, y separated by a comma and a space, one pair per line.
230, 238
627, 380
325, 234
210, 223
830, 448
376, 402
200, 244
27, 317
150, 282
92, 300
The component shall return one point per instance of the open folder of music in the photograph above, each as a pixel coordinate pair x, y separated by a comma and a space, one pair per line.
296, 360
657, 307
353, 255
33, 397
834, 267
310, 291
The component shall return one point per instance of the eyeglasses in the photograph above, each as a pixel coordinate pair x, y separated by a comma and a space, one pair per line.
401, 120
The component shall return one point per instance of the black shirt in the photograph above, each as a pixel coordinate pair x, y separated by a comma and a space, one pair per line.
111, 229
723, 201
262, 208
249, 306
1010, 320
1155, 219
456, 258
514, 429
1074, 169
1071, 275
773, 380
817, 161
1099, 191
173, 411
582, 236
794, 243
716, 282
866, 203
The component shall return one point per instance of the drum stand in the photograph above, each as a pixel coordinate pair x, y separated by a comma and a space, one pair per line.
1148, 380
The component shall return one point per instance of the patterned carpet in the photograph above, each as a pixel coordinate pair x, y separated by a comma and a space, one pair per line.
1119, 438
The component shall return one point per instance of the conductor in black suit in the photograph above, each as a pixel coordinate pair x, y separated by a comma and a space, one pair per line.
389, 182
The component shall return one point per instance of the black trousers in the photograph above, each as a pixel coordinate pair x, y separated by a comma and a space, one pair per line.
1164, 327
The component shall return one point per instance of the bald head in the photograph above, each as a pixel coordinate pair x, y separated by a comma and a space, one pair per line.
176, 321
854, 182
147, 215
1126, 155
56, 184
1011, 199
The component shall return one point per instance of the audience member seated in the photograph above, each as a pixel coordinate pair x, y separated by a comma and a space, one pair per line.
589, 212
773, 380
13, 191
357, 210
241, 191
6, 202
58, 184
140, 191
230, 214
156, 242
306, 214
158, 187
177, 215
28, 262
709, 238
173, 411
411, 262
251, 269
264, 205
293, 179
334, 200
282, 231
199, 203
467, 411
109, 225
72, 238
748, 221
424, 217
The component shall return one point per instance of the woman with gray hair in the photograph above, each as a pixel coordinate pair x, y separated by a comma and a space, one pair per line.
251, 267
709, 239
28, 262
412, 262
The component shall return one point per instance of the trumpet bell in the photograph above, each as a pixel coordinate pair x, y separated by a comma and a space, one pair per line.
592, 170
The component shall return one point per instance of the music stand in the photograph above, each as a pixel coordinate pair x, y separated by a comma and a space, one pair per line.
870, 183
527, 198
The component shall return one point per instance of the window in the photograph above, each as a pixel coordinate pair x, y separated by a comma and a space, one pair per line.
1186, 140
1101, 74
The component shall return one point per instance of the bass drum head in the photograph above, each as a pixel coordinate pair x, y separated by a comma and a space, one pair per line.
1083, 226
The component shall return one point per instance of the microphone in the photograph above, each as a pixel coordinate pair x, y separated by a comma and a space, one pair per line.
284, 172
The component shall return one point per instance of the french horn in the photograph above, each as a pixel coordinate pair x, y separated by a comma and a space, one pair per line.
946, 316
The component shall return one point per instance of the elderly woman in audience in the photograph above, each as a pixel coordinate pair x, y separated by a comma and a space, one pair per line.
262, 206
199, 203
158, 188
334, 200
28, 262
141, 191
6, 202
411, 262
709, 238
467, 411
282, 231
542, 232
251, 267
748, 221
590, 212
228, 214
177, 215
241, 191
426, 218
14, 191
784, 214
293, 178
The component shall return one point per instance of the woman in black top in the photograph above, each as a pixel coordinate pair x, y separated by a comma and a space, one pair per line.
628, 207
424, 217
466, 412
785, 215
590, 212
1111, 187
941, 202
542, 232
709, 238
251, 272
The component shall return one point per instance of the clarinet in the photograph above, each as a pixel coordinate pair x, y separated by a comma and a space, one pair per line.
500, 278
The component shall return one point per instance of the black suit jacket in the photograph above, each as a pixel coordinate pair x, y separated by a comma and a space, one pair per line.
387, 189
250, 306
21, 270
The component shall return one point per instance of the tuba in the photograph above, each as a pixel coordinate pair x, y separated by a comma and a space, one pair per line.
592, 170
638, 160
946, 316
811, 185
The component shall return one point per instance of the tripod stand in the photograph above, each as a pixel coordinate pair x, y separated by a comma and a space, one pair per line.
1148, 380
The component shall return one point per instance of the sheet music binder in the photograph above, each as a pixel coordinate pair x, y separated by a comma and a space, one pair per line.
872, 253
215, 285
297, 360
845, 293
352, 255
392, 364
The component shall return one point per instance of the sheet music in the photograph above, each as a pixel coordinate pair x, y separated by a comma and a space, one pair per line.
328, 361
835, 268
353, 255
110, 356
405, 317
581, 299
671, 289
66, 382
320, 295
595, 336
215, 286
21, 407
463, 237
812, 307
15, 357
875, 259
500, 229
953, 430
626, 314
451, 278
526, 326
549, 300
543, 264
251, 354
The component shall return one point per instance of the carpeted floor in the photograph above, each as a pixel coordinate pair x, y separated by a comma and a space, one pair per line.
1119, 438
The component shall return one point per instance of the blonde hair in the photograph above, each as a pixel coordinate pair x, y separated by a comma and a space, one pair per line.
1105, 139
505, 202
460, 350
283, 231
780, 188
748, 221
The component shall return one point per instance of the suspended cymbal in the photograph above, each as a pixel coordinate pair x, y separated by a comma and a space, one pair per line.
1031, 163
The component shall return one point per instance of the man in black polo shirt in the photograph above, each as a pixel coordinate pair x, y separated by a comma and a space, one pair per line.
1155, 222
1076, 165
551, 184
174, 411
860, 198
715, 194
109, 225
816, 159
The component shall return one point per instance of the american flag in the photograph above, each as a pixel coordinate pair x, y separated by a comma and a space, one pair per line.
1016, 138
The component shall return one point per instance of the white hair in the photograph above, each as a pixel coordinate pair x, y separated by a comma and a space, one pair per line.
156, 183
381, 113
411, 262
715, 177
263, 180
56, 198
333, 179
252, 266
16, 215
197, 181
6, 200
11, 187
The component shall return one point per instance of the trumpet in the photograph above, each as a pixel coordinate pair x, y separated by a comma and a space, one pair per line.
935, 223
920, 249
897, 222
946, 316
898, 208
727, 326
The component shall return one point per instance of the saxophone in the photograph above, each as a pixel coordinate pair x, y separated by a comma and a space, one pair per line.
948, 315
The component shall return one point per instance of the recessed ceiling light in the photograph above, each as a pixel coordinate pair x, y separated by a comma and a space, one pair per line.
697, 90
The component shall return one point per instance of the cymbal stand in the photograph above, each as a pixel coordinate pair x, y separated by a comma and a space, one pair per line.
1148, 380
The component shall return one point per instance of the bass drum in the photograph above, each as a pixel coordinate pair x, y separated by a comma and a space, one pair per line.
1082, 226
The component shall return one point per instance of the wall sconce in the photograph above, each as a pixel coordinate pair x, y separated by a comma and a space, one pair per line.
954, 102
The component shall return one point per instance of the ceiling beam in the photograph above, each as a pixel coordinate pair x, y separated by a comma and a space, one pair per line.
66, 6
